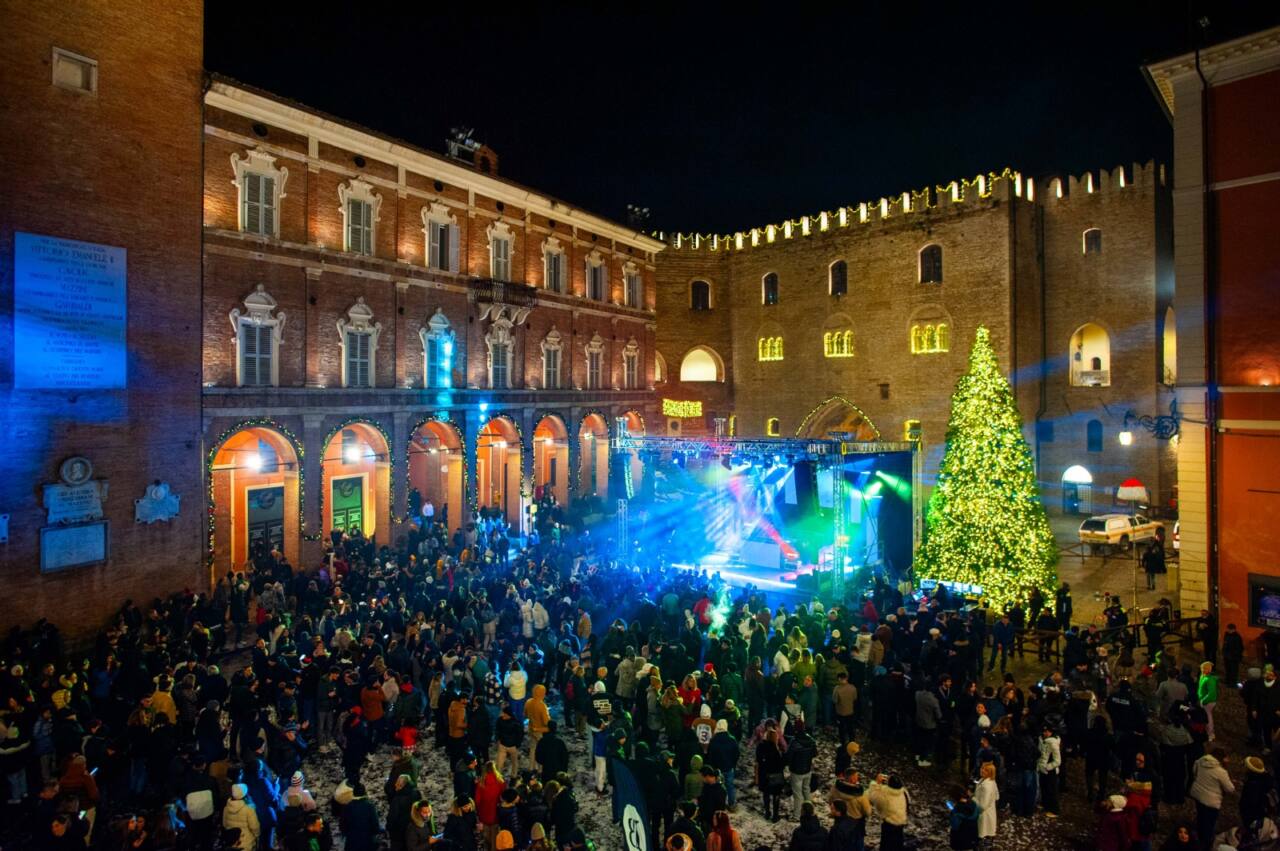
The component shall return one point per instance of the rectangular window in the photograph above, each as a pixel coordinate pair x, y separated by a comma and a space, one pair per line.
439, 365
1044, 431
258, 212
358, 359
499, 371
359, 226
256, 343
551, 369
633, 292
631, 371
443, 250
501, 260
75, 72
884, 391
593, 369
555, 271
595, 282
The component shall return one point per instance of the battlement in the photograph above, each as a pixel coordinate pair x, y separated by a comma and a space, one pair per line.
1006, 185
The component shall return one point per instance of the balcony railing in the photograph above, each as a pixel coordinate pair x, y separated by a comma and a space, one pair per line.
506, 292
1091, 378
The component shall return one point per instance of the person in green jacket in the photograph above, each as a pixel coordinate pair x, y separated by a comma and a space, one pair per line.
1207, 692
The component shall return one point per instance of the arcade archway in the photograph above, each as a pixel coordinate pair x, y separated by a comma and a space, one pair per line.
635, 426
551, 459
255, 498
593, 457
355, 482
498, 469
436, 472
835, 416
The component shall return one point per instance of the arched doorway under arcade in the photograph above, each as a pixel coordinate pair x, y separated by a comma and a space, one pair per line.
355, 482
593, 457
551, 459
437, 472
635, 426
254, 477
498, 469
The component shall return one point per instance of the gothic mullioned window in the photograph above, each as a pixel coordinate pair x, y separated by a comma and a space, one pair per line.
837, 344
930, 339
769, 348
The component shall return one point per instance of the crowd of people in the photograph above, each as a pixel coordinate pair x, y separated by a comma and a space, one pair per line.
478, 658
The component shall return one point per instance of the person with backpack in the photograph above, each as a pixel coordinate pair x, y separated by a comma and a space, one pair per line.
800, 755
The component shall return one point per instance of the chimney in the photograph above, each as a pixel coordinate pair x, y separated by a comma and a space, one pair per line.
486, 160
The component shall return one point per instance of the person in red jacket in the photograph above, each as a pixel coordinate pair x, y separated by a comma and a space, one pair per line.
1113, 830
488, 795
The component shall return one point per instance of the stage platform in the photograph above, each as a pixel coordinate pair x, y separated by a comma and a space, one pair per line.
791, 585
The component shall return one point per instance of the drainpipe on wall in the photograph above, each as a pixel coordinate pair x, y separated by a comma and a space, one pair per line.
1209, 232
1044, 330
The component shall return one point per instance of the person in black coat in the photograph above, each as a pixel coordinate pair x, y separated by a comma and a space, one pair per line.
686, 823
1258, 786
846, 831
713, 798
552, 754
360, 824
464, 778
810, 835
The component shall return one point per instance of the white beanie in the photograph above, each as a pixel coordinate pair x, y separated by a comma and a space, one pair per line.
238, 791
705, 712
722, 726
1117, 803
599, 687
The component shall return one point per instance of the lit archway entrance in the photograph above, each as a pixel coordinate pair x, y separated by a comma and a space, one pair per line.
593, 457
1077, 491
551, 459
498, 469
436, 472
255, 498
355, 477
838, 416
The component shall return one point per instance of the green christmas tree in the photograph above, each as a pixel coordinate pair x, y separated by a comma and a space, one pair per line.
985, 523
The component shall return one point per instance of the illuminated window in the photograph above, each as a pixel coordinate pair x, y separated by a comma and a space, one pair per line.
1093, 434
552, 345
500, 239
632, 291
700, 295
772, 427
258, 333
930, 338
838, 278
359, 211
769, 348
837, 344
631, 365
597, 277
1093, 241
261, 186
437, 351
931, 264
701, 364
769, 289
595, 362
1090, 357
911, 430
442, 238
359, 334
553, 268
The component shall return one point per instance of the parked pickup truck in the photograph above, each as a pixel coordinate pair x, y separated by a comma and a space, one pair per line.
1118, 530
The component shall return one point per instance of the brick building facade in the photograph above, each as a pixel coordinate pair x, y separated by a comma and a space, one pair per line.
101, 138
861, 320
380, 320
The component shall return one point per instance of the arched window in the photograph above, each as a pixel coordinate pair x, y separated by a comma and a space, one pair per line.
943, 338
659, 369
1093, 433
1170, 354
1092, 241
1090, 357
837, 344
772, 427
838, 278
700, 295
930, 339
769, 348
701, 364
931, 264
769, 289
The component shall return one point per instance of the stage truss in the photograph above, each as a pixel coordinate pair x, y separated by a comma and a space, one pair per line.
824, 452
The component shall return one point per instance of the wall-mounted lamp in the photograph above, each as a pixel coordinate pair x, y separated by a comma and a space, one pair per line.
1126, 438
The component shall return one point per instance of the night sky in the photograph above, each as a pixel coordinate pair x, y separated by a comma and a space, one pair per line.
722, 120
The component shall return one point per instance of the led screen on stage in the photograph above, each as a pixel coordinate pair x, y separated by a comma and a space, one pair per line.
69, 314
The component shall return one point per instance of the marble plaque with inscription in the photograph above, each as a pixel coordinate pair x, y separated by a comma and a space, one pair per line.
72, 546
74, 503
69, 314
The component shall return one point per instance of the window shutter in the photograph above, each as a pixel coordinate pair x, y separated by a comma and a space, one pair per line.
248, 355
267, 200
265, 341
604, 282
433, 246
454, 255
252, 203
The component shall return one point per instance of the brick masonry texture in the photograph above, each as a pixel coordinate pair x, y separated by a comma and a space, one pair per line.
122, 168
1010, 263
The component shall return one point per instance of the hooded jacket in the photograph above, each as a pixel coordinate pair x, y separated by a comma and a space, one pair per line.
1211, 781
891, 804
535, 709
240, 814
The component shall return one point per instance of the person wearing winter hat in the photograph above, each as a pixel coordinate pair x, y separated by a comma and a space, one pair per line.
504, 841
723, 754
704, 726
296, 788
538, 838
239, 815
1113, 829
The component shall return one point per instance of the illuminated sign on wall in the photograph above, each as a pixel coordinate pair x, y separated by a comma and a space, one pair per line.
69, 314
676, 408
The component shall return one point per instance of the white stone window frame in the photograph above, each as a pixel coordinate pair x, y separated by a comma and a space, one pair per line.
356, 189
433, 216
631, 362
359, 320
593, 261
594, 347
438, 328
552, 247
500, 333
495, 232
259, 310
258, 161
630, 271
553, 342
